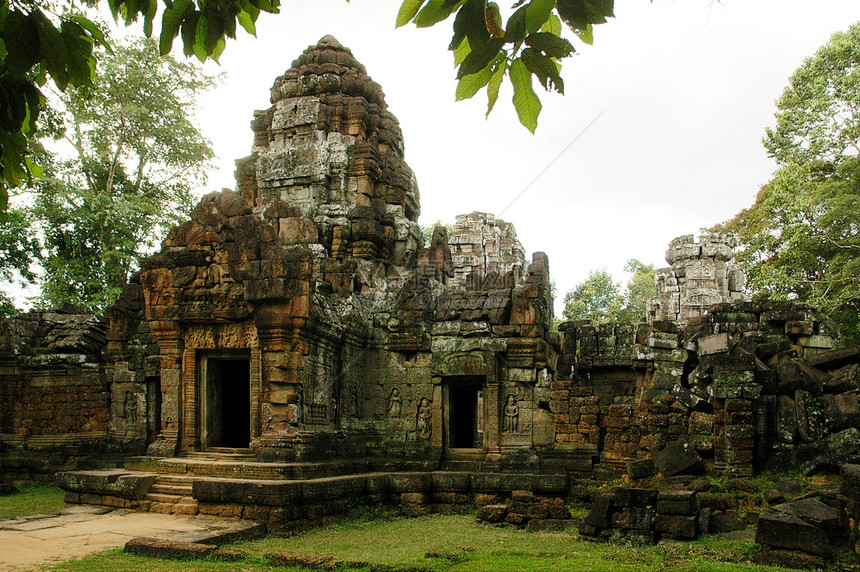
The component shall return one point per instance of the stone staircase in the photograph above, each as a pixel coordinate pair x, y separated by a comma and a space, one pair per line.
172, 494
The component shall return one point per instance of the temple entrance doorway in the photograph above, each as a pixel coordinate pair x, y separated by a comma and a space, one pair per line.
464, 414
226, 402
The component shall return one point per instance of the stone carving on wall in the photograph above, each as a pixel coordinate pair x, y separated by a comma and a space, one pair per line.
130, 408
395, 404
512, 415
425, 423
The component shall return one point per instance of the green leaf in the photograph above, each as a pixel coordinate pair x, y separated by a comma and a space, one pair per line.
543, 68
470, 23
96, 33
228, 22
537, 14
525, 100
247, 22
252, 10
189, 32
148, 10
35, 102
22, 43
53, 49
470, 84
578, 14
34, 169
201, 34
480, 56
407, 11
552, 26
550, 44
515, 30
214, 29
495, 83
171, 20
586, 34
435, 11
218, 49
461, 51
14, 105
81, 63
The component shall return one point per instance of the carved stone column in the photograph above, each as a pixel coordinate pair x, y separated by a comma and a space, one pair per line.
170, 346
491, 416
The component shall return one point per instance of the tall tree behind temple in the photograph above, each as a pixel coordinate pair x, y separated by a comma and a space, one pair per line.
599, 299
135, 157
800, 240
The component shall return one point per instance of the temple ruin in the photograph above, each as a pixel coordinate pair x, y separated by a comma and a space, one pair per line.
295, 348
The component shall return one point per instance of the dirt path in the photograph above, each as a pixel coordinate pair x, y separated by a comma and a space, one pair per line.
29, 543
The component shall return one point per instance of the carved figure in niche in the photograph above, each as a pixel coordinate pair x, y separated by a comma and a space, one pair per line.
512, 415
130, 407
353, 402
425, 425
394, 403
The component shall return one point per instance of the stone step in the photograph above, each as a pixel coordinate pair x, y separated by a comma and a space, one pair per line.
191, 467
164, 498
165, 489
174, 480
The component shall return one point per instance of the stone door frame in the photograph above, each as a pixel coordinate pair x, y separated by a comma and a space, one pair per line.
194, 412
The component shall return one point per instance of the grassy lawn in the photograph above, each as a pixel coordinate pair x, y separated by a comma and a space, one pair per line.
446, 543
31, 499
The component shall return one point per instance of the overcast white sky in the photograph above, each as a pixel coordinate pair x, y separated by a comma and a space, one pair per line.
687, 86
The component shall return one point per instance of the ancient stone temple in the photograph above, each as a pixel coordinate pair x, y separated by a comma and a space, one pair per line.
295, 348
302, 316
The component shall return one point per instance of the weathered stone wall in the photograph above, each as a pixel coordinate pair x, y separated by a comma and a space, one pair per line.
55, 401
745, 386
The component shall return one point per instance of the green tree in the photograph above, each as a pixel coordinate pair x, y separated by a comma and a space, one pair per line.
41, 39
640, 288
19, 250
597, 298
800, 239
818, 117
600, 299
136, 157
427, 231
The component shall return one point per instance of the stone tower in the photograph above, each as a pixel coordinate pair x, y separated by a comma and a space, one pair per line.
701, 274
328, 164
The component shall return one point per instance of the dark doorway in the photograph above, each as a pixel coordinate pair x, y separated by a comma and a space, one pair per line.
228, 403
465, 413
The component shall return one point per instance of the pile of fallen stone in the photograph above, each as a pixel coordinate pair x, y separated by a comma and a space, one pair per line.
817, 522
650, 515
525, 510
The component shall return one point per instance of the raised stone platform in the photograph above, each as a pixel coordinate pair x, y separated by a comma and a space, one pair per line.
290, 495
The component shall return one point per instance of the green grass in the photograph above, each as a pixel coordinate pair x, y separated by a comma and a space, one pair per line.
31, 499
450, 543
